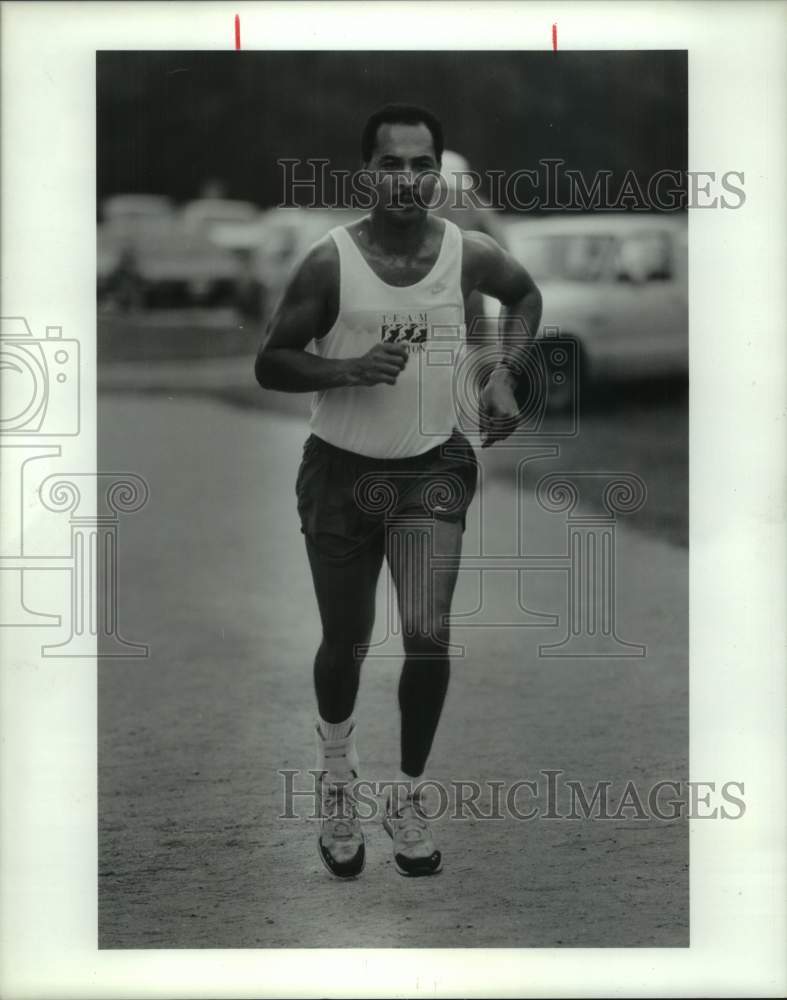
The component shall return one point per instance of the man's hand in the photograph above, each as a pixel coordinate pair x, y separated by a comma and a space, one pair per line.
382, 364
499, 408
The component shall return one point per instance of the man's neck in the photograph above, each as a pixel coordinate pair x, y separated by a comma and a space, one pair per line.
397, 237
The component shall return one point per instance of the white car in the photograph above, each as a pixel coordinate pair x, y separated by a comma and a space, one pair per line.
616, 285
139, 209
147, 259
205, 216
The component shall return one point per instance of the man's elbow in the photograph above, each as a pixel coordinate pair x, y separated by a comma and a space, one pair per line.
526, 297
535, 302
265, 368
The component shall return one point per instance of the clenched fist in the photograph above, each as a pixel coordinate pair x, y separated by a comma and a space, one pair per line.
499, 408
382, 364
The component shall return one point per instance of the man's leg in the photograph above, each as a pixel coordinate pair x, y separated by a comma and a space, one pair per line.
424, 587
345, 596
424, 591
346, 599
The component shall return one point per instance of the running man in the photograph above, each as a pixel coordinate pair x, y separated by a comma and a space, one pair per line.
386, 474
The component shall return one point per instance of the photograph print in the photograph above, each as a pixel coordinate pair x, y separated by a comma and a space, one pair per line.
393, 349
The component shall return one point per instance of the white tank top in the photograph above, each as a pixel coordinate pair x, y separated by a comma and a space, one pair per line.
418, 413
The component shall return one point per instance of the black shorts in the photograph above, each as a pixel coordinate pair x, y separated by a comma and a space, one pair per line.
345, 500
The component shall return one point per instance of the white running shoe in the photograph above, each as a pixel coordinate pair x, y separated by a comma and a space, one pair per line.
340, 841
414, 848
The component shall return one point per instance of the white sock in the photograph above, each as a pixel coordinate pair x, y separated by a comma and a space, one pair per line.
336, 730
337, 755
404, 785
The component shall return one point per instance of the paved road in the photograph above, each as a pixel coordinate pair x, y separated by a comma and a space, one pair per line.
213, 576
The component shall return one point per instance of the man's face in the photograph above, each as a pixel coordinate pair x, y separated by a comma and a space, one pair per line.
406, 170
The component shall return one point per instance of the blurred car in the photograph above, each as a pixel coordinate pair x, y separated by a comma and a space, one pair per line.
136, 209
145, 260
205, 215
287, 235
276, 243
616, 285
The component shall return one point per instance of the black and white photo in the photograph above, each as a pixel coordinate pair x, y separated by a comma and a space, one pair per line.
391, 418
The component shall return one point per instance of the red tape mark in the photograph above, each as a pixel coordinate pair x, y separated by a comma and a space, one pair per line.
237, 32
554, 38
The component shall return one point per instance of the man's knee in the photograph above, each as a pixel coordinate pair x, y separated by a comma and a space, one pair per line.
425, 640
346, 646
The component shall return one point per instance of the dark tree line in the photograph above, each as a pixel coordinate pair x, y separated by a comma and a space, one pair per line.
168, 122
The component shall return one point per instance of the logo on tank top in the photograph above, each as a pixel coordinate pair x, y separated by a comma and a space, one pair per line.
410, 329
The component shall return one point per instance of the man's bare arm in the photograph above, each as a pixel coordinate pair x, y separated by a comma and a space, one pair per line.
493, 271
306, 312
500, 275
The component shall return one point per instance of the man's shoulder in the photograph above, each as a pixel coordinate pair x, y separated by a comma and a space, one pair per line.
479, 250
320, 263
480, 244
322, 252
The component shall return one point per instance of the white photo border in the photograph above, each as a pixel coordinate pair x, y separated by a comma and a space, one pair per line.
738, 317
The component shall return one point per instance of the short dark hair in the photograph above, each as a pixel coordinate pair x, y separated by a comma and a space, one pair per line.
400, 114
